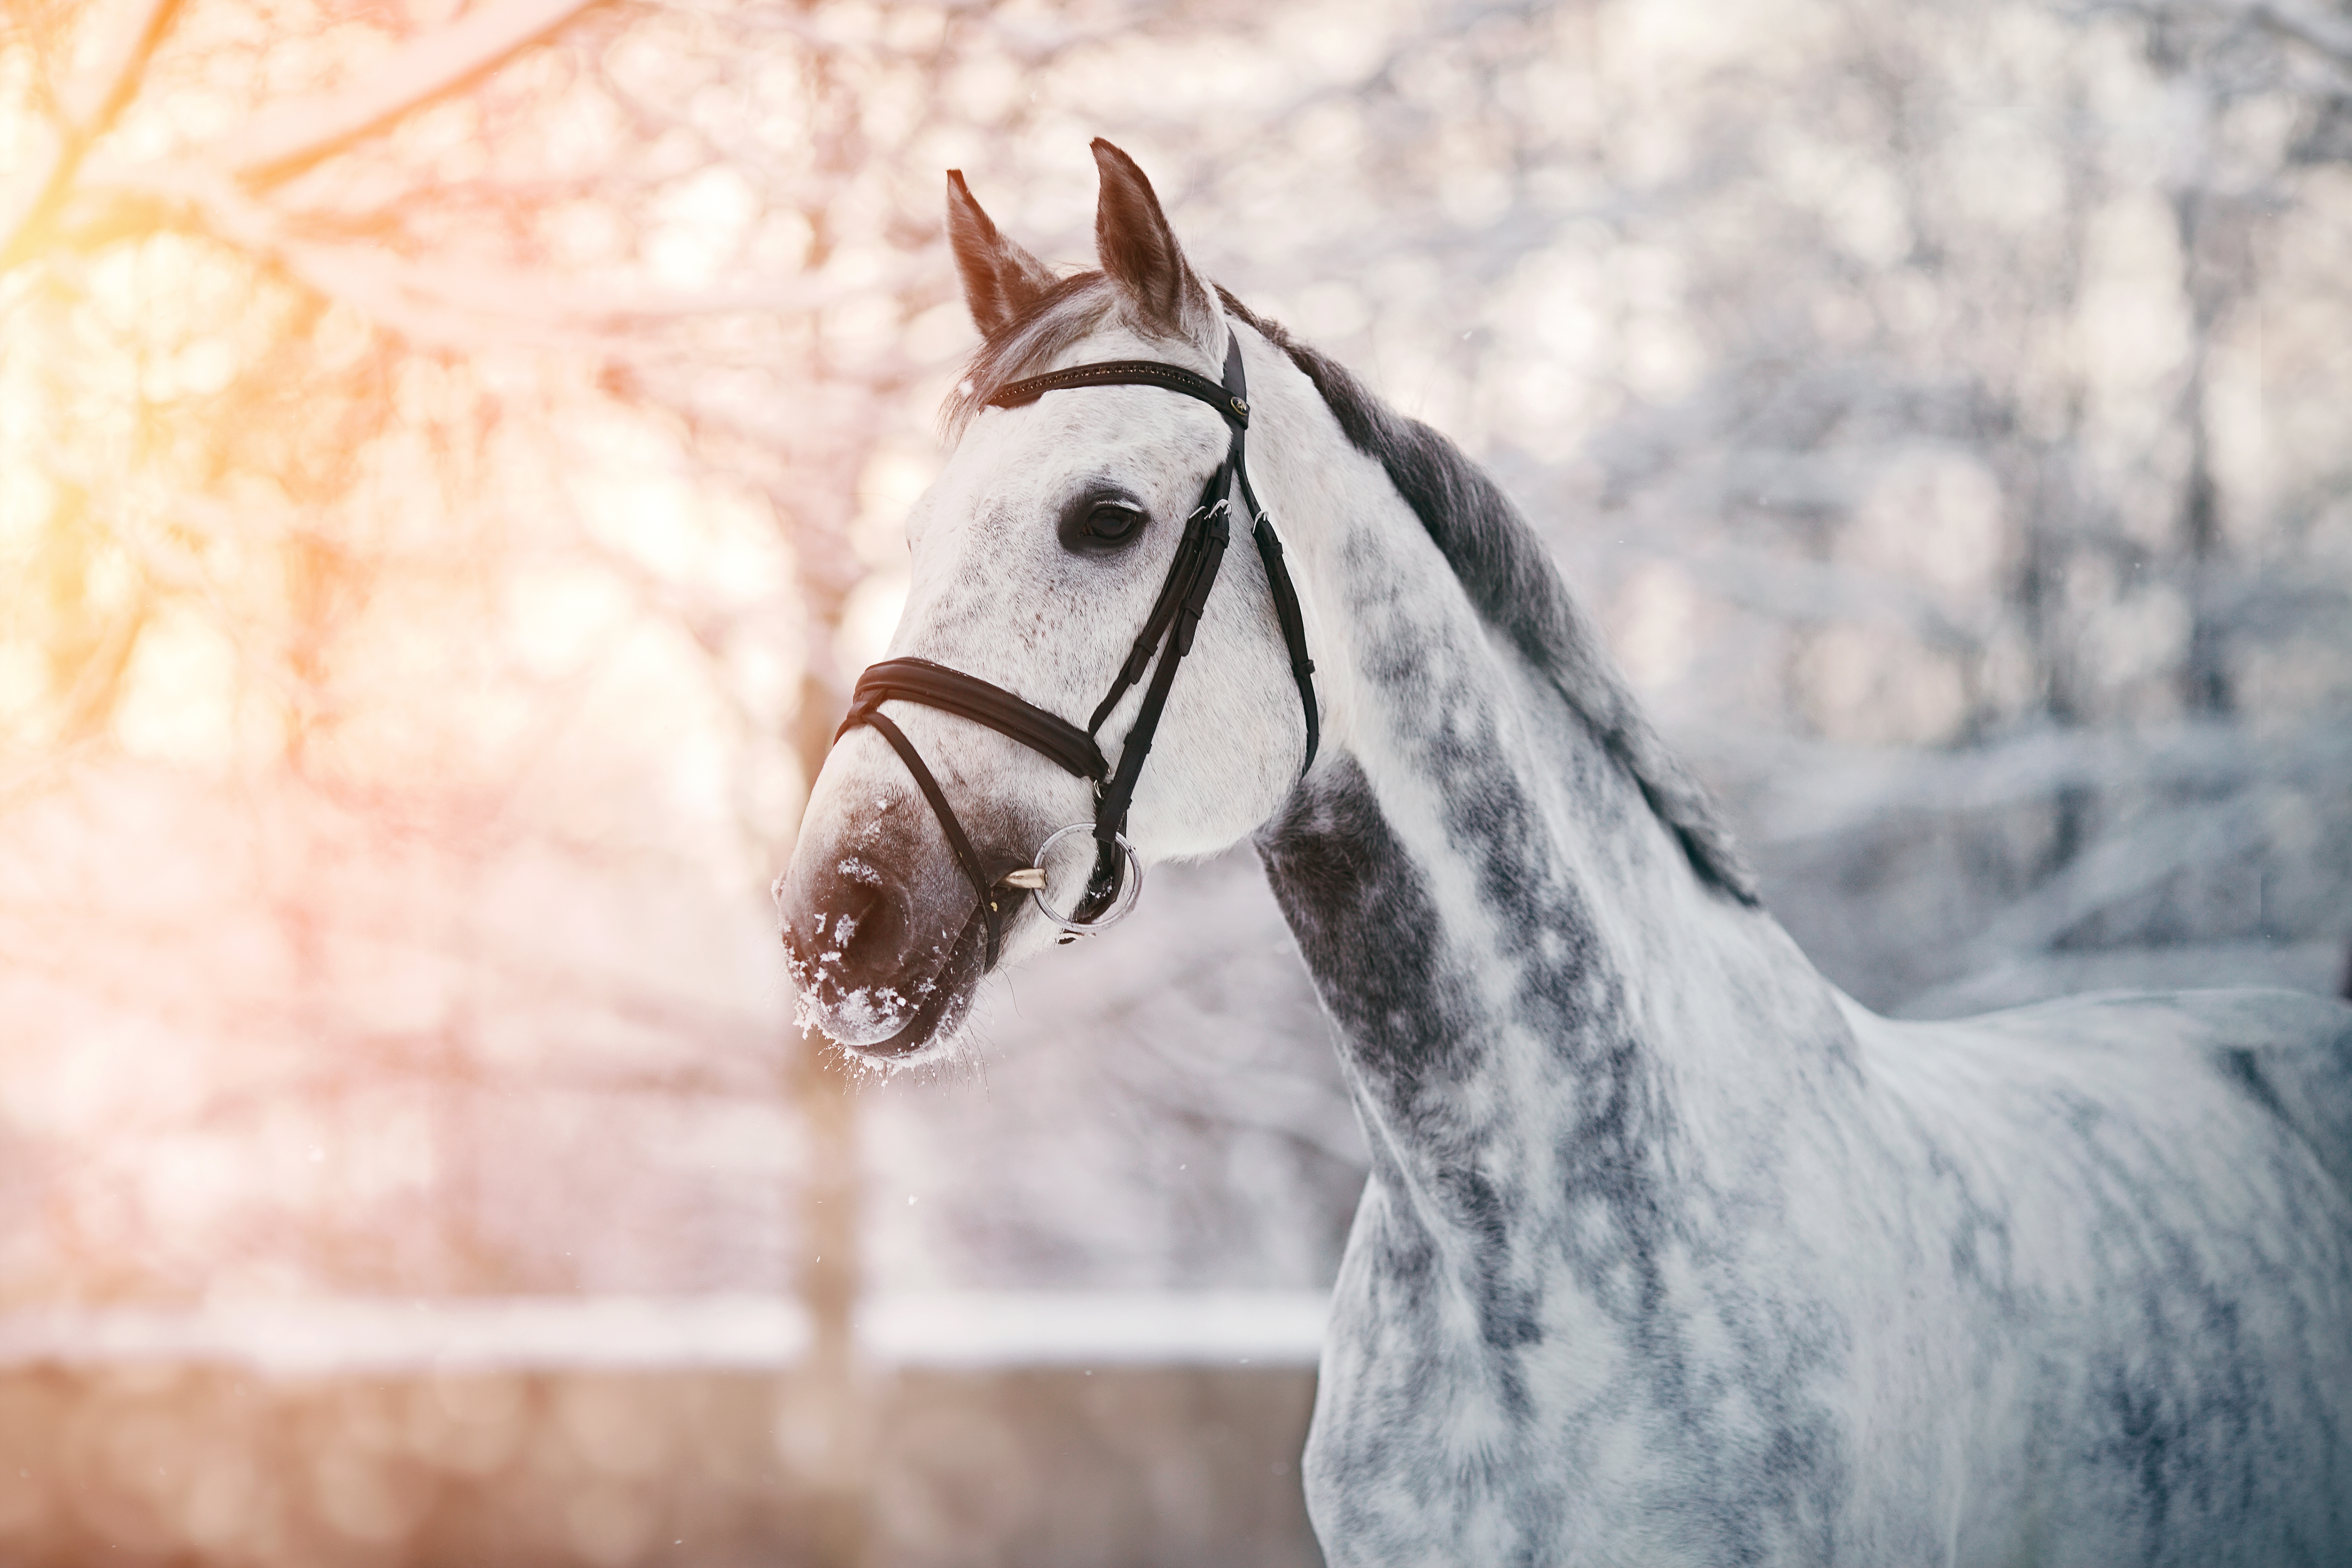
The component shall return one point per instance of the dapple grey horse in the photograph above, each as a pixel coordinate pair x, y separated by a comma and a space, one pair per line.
1670, 1253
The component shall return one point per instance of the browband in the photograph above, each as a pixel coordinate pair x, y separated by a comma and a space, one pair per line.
1226, 401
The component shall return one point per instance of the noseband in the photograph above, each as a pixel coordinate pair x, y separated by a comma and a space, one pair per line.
1110, 892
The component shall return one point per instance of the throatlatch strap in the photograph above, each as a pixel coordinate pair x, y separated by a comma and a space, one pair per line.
1277, 575
1294, 626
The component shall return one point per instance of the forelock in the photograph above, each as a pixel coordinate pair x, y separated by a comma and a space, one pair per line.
1062, 315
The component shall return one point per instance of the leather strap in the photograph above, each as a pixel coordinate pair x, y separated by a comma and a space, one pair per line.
1228, 400
1163, 609
1293, 624
982, 884
1192, 574
1050, 735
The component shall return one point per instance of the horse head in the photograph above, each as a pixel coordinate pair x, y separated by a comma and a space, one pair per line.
1072, 540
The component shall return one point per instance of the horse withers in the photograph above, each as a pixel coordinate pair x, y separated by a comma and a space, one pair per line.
1670, 1252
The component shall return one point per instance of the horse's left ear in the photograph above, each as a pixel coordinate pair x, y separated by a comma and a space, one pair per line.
1140, 251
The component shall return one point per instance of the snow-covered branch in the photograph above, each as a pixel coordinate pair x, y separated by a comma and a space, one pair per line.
287, 136
1822, 791
2314, 29
87, 107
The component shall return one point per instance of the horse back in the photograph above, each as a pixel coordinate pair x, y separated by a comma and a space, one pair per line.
2149, 1198
2288, 1052
2292, 1054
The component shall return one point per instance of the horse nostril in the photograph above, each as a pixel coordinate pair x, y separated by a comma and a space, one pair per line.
869, 926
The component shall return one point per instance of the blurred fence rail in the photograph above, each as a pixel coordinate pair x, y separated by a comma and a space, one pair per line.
1008, 1427
935, 1328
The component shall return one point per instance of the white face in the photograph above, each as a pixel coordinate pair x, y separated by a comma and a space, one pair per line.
1037, 558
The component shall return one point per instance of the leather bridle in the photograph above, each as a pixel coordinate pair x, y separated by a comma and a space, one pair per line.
1168, 630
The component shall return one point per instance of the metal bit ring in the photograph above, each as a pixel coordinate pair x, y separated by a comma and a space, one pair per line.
1131, 887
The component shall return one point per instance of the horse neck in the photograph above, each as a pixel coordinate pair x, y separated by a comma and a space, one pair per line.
1532, 988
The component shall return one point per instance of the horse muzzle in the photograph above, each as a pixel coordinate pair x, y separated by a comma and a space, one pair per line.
884, 963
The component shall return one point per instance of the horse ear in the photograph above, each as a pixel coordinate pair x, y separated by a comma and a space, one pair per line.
1000, 279
1140, 253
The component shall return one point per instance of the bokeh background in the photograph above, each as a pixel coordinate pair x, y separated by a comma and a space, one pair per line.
453, 456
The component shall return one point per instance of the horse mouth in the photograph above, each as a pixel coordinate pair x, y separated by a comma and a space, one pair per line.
943, 997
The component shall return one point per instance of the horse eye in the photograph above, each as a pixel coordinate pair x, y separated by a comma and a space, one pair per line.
1111, 521
1099, 520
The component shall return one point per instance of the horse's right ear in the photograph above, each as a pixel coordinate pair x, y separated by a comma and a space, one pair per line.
1000, 279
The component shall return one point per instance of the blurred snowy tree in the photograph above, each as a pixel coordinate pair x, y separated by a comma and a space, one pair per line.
452, 460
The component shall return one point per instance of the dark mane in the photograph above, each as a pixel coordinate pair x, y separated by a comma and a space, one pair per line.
1501, 563
1511, 580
